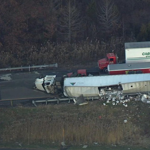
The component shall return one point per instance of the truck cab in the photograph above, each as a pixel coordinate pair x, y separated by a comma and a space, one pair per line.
111, 58
80, 72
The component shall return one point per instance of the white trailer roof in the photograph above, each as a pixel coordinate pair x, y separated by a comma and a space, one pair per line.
129, 66
107, 80
129, 45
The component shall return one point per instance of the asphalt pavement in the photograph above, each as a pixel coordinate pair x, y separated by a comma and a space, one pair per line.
20, 85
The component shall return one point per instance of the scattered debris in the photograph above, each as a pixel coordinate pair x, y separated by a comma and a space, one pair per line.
145, 98
6, 77
36, 72
125, 121
117, 97
80, 100
63, 144
19, 144
100, 117
125, 105
96, 143
84, 146
113, 103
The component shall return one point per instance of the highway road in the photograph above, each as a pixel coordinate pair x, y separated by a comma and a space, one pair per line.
20, 85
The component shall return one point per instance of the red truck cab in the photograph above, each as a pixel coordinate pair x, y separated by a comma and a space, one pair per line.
80, 72
110, 59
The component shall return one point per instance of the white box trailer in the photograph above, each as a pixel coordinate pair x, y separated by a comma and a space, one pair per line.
137, 52
89, 86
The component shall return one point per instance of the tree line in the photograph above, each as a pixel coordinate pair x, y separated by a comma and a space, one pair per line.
46, 31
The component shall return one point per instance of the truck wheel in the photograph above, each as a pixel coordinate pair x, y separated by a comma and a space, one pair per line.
105, 70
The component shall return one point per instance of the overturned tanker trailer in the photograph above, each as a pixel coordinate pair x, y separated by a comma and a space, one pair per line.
95, 86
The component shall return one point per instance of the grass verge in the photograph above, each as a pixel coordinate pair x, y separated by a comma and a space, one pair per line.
76, 125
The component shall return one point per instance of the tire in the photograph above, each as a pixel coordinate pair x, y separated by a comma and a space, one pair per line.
105, 70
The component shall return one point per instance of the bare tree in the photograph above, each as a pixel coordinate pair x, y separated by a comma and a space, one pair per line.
108, 16
51, 19
70, 22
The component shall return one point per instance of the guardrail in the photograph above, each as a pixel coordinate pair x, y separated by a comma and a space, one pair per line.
29, 67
